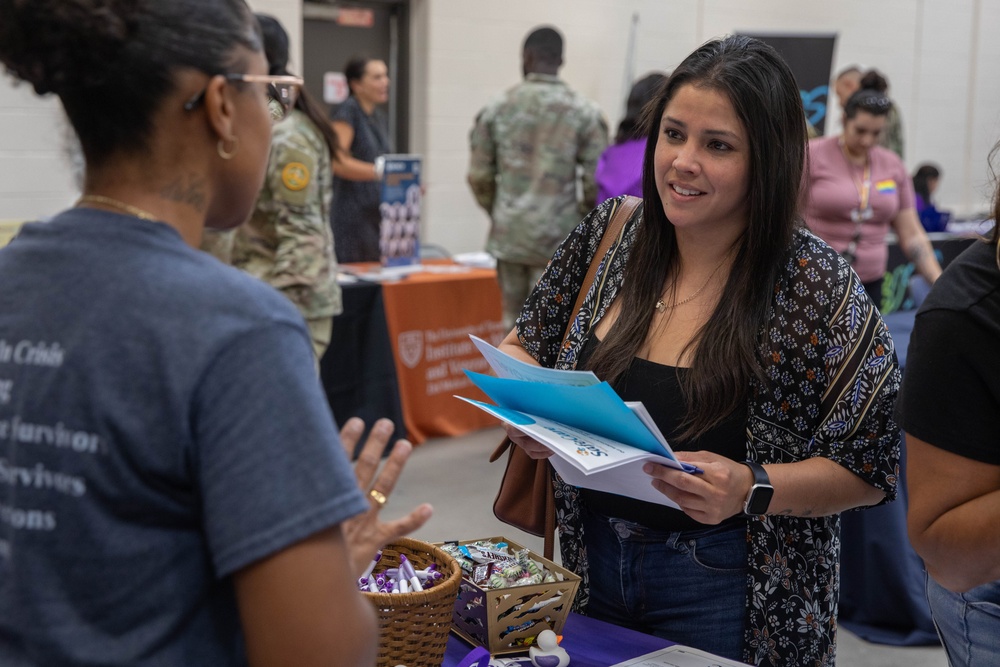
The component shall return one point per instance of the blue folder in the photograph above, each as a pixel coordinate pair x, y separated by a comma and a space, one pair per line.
596, 409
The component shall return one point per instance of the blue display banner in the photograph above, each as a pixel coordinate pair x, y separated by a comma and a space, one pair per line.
399, 240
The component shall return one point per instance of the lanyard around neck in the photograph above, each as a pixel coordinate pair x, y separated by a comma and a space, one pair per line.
864, 187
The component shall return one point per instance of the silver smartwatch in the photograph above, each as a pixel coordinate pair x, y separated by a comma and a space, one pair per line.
759, 498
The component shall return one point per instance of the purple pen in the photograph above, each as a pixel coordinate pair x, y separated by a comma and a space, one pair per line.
407, 567
371, 566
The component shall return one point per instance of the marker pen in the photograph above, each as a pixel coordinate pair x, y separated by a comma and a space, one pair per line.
371, 566
406, 569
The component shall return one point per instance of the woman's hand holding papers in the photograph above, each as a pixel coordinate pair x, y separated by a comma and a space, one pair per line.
531, 447
710, 497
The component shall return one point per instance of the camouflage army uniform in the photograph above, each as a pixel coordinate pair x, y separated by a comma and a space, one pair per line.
892, 135
287, 241
526, 148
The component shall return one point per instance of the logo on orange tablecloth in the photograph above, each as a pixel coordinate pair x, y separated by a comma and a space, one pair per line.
411, 347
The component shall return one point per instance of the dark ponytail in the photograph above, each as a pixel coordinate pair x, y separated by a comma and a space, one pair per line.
276, 50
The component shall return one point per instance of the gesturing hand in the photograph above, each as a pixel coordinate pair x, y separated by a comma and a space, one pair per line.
365, 533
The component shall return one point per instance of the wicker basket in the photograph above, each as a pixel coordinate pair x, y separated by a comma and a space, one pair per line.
414, 627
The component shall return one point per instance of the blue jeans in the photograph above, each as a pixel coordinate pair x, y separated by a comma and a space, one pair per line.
968, 623
689, 587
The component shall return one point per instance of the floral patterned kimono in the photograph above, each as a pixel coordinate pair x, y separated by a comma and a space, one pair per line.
832, 379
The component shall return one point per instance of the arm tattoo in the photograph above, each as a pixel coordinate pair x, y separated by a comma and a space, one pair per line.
789, 512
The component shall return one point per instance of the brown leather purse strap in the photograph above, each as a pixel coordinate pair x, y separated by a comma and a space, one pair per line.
620, 214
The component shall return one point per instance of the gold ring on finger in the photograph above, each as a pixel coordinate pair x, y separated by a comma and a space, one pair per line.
378, 497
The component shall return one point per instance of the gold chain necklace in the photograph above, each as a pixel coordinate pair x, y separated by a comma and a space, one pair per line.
662, 306
108, 201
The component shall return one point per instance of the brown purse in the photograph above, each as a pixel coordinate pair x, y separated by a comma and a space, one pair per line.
526, 499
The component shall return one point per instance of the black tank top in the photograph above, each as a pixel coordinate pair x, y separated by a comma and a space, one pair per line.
658, 387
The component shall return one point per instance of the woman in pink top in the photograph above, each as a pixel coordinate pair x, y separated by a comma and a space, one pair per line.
857, 189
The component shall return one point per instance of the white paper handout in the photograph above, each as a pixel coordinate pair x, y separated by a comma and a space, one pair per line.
506, 366
680, 656
600, 441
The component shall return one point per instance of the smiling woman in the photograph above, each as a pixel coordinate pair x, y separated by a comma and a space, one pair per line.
702, 165
734, 327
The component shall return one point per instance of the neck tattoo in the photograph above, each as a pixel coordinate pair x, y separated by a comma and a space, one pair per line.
120, 205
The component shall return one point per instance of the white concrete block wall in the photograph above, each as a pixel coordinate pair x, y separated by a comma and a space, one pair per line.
36, 177
289, 12
983, 110
939, 56
942, 95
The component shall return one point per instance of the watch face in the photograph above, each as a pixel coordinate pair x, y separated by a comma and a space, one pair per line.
759, 499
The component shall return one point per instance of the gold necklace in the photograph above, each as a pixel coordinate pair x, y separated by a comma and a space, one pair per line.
662, 306
108, 201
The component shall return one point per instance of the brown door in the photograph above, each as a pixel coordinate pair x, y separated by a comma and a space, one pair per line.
334, 32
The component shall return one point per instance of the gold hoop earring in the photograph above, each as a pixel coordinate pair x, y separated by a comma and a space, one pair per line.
221, 148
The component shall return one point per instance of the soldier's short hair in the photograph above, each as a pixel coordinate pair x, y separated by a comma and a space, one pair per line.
546, 43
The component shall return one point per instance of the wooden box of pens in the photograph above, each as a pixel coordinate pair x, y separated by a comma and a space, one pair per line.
508, 594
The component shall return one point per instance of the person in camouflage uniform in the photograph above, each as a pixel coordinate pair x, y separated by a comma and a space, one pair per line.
287, 242
526, 148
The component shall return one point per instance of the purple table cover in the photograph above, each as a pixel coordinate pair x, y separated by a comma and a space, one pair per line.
589, 642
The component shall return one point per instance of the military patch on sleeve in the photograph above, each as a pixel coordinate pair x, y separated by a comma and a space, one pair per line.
295, 176
291, 173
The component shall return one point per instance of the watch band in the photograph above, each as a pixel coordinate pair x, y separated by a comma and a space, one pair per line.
759, 498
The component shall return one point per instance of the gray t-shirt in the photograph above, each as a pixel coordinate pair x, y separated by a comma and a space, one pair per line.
161, 426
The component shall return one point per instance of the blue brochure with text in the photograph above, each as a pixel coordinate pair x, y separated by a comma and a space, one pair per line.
582, 420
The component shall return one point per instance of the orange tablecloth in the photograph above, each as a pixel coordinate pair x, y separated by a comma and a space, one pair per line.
429, 316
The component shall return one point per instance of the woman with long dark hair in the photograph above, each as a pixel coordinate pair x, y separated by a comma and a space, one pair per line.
749, 341
925, 181
174, 489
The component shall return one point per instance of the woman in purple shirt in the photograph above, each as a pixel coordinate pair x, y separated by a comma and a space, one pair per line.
619, 169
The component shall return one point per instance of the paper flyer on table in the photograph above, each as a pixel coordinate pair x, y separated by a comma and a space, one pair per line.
680, 656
